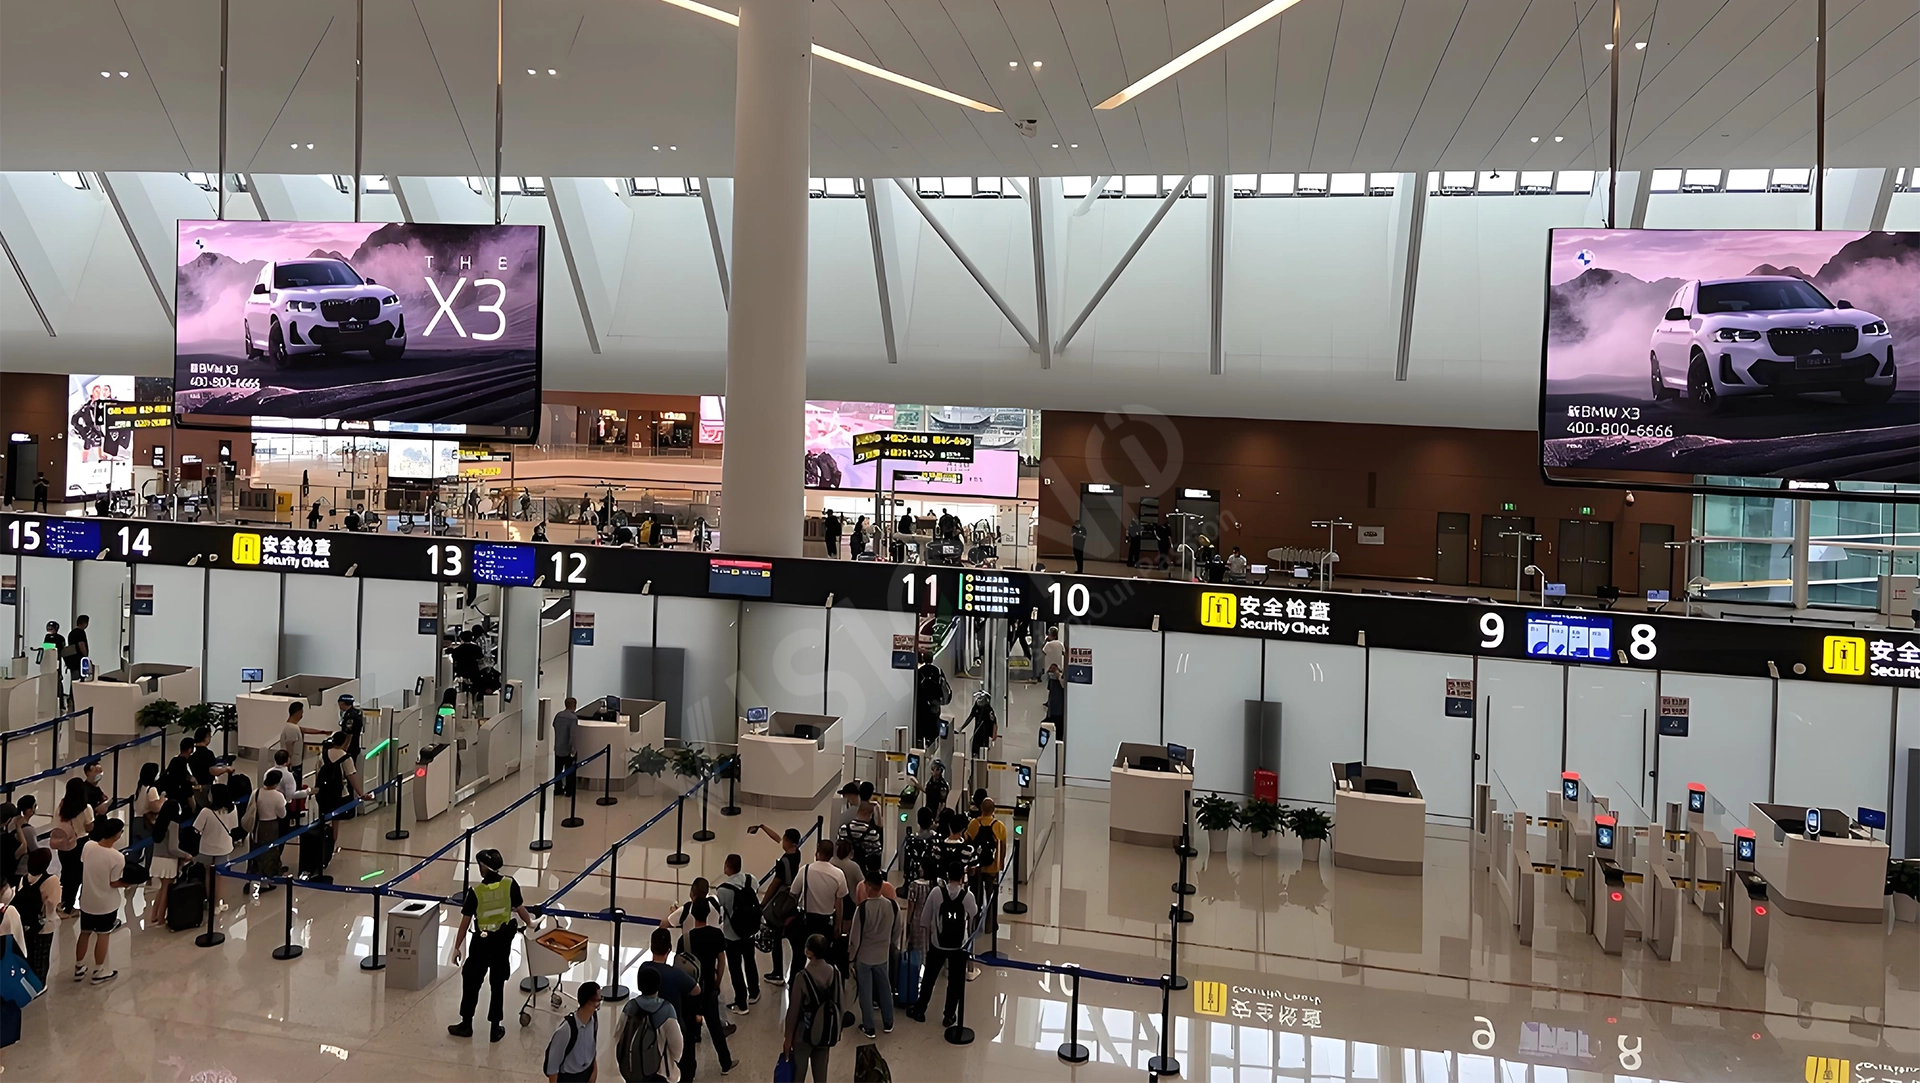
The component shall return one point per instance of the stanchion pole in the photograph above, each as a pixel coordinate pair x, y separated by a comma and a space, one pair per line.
374, 960
1173, 958
466, 866
1164, 1064
679, 855
213, 937
288, 950
1016, 906
1185, 847
398, 831
540, 840
116, 772
573, 796
613, 991
959, 1033
732, 807
704, 834
607, 797
1071, 1050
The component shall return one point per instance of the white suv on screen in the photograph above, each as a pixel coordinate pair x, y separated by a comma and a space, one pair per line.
1725, 337
307, 305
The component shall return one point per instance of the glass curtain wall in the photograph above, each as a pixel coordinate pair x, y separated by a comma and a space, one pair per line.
1842, 570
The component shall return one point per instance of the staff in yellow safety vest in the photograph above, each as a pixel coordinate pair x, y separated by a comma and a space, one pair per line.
491, 906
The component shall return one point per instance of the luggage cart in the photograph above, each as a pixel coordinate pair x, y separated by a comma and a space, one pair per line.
549, 955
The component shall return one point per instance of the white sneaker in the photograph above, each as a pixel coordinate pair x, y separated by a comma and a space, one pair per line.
103, 977
79, 973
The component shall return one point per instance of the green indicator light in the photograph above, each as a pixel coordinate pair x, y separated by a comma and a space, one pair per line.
376, 749
371, 875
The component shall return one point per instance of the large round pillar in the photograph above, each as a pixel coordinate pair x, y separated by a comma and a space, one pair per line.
762, 496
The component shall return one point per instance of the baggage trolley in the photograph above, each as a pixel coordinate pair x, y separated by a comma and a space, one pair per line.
551, 954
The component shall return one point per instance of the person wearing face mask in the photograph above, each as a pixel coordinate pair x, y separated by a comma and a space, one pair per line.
490, 906
571, 1051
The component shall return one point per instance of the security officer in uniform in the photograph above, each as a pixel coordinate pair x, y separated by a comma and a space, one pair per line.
352, 723
491, 905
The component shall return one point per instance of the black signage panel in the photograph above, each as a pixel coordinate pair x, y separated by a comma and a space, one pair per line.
1398, 622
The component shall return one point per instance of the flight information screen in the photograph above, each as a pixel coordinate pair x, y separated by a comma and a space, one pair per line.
742, 578
76, 538
507, 565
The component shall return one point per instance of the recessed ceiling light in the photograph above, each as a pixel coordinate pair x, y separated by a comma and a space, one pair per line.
1266, 11
1559, 138
1608, 46
1639, 44
1037, 63
1013, 63
673, 148
123, 75
1056, 146
1535, 138
106, 75
1075, 146
293, 146
550, 71
530, 71
309, 146
656, 146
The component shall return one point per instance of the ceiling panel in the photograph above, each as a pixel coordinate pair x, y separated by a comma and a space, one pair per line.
1423, 34
1307, 33
1140, 26
1095, 48
1202, 87
1368, 29
1484, 31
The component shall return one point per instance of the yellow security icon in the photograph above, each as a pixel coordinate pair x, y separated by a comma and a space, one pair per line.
246, 548
1210, 997
1829, 1069
1218, 609
1845, 655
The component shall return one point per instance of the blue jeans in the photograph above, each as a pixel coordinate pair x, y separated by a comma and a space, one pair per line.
872, 980
909, 983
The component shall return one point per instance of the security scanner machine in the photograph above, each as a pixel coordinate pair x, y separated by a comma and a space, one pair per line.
1148, 795
792, 761
261, 714
1817, 864
463, 751
1744, 926
1702, 854
1637, 871
117, 697
52, 677
1571, 811
625, 725
1380, 820
1607, 909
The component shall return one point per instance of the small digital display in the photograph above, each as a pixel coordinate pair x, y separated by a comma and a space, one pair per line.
75, 538
758, 715
440, 720
1696, 800
506, 693
1562, 635
1556, 590
1570, 789
1743, 850
506, 565
740, 578
988, 593
1813, 823
1871, 818
1177, 754
252, 676
419, 686
1603, 836
1659, 596
1024, 775
1046, 736
613, 704
913, 765
86, 667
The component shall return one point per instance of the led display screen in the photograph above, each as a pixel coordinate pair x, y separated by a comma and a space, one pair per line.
744, 578
76, 539
1557, 635
344, 323
1779, 354
507, 565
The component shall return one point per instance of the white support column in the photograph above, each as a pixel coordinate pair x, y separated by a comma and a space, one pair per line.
1636, 185
716, 198
1039, 217
1403, 263
49, 231
1859, 198
593, 227
762, 492
1219, 244
1801, 568
894, 231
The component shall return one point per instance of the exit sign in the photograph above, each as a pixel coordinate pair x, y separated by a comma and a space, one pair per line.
1586, 511
1508, 506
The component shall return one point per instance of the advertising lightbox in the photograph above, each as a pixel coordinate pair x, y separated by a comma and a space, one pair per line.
349, 323
1777, 354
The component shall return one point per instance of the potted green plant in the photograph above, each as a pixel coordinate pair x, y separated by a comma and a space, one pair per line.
217, 717
1263, 820
648, 763
1313, 826
159, 714
690, 763
1216, 816
1903, 883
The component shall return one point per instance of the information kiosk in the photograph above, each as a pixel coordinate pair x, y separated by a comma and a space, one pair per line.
1380, 820
1147, 799
1817, 865
791, 763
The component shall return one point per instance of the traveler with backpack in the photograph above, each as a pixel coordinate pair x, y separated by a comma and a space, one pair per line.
706, 943
742, 906
490, 907
813, 1013
571, 1051
649, 1046
948, 917
680, 988
872, 942
777, 906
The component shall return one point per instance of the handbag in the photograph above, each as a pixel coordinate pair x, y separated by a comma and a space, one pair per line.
783, 1069
19, 985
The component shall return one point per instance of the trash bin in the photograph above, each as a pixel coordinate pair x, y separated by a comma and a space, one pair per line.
413, 944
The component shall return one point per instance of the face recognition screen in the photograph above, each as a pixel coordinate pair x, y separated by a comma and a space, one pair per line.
1743, 850
1570, 789
1603, 836
1696, 800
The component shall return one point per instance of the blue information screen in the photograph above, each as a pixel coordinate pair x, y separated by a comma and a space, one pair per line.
507, 565
1559, 635
75, 538
744, 578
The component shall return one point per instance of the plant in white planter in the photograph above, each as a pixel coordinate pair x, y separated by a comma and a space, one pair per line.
1313, 826
1217, 816
1903, 883
1263, 820
649, 763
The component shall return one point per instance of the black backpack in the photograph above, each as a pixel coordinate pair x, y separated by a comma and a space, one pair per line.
743, 911
951, 931
820, 1021
639, 1053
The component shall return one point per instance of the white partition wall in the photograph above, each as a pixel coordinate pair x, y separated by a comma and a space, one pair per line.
862, 686
1408, 727
173, 634
783, 659
1906, 736
1728, 745
319, 626
1831, 746
100, 591
393, 653
619, 621
46, 593
706, 630
1609, 728
1522, 704
1209, 680
1321, 689
243, 630
1122, 703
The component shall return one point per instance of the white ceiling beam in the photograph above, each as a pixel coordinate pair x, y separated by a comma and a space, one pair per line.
883, 268
1039, 217
1636, 187
1858, 198
594, 227
716, 199
1219, 241
966, 261
1159, 213
1404, 237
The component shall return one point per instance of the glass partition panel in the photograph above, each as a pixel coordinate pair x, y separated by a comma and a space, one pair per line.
1727, 743
702, 634
1408, 726
243, 622
46, 593
393, 653
1121, 704
1210, 680
1524, 704
317, 633
1609, 719
1321, 690
175, 632
783, 658
1832, 750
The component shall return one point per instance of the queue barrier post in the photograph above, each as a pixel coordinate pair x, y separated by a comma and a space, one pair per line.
704, 834
679, 855
1071, 1051
613, 991
606, 797
213, 937
732, 807
1164, 1064
573, 795
374, 960
289, 949
540, 841
466, 866
399, 786
960, 1033
1016, 906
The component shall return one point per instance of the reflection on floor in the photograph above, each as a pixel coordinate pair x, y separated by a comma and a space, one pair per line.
1298, 971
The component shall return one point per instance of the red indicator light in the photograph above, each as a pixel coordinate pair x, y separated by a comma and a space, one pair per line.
1761, 910
1616, 896
419, 772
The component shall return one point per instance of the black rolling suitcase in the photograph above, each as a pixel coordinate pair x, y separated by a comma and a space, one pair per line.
187, 899
316, 850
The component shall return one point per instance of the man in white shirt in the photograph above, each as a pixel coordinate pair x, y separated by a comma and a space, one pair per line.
293, 737
101, 866
1053, 652
818, 888
740, 962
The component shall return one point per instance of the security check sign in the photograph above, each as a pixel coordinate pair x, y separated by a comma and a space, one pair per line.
1270, 614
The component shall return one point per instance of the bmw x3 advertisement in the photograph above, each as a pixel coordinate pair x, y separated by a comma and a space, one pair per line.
360, 322
1788, 355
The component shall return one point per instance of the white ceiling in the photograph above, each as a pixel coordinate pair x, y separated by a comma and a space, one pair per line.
1335, 85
